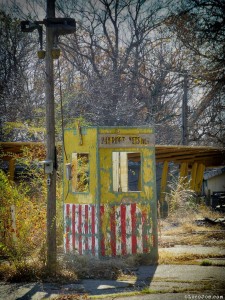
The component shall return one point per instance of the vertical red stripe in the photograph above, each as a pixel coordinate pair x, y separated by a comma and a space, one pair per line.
86, 227
67, 226
144, 232
134, 225
123, 230
73, 226
113, 230
80, 229
102, 237
93, 229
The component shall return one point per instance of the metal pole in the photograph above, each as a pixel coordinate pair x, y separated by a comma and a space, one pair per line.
50, 132
185, 111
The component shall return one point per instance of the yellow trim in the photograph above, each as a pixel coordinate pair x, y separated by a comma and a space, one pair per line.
199, 177
184, 170
193, 175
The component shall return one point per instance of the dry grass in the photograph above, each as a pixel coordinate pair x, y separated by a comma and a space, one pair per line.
33, 272
166, 257
108, 268
189, 228
72, 297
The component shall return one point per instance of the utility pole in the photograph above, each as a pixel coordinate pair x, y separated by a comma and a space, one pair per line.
185, 111
54, 28
50, 143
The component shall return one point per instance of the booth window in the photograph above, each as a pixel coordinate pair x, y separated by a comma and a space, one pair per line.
80, 172
126, 171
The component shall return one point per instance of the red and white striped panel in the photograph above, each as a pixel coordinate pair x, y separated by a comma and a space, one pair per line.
128, 230
81, 229
124, 229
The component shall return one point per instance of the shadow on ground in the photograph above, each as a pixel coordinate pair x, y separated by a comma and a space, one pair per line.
26, 291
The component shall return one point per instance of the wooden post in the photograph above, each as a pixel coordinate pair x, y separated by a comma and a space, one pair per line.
193, 175
12, 168
183, 171
163, 181
50, 132
199, 177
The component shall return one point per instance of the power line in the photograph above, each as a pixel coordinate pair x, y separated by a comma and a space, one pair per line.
61, 108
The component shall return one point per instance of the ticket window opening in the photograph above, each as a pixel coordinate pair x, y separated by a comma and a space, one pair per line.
126, 171
80, 172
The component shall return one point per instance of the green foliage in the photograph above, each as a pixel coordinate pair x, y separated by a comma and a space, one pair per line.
25, 239
22, 131
23, 232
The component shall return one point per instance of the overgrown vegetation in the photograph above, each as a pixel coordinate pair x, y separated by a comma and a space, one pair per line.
187, 224
22, 231
181, 199
23, 220
185, 206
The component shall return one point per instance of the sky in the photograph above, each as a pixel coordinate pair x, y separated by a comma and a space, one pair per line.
24, 8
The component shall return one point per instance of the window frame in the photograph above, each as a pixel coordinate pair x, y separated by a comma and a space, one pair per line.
120, 172
75, 172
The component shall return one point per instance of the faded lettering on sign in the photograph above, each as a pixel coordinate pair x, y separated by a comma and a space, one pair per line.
125, 141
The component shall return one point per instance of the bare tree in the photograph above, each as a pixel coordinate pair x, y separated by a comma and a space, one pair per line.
18, 65
200, 26
123, 58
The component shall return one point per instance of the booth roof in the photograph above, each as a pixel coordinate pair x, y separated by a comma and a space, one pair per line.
209, 156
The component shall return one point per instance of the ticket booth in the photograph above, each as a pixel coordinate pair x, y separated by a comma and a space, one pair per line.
110, 191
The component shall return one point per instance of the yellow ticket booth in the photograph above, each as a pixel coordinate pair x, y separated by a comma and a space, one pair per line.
110, 206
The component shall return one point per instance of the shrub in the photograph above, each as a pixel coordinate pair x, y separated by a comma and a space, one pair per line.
23, 233
206, 263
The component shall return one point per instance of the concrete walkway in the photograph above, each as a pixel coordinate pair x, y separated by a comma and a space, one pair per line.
160, 282
175, 282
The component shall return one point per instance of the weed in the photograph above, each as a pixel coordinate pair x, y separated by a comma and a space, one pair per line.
181, 197
147, 290
206, 263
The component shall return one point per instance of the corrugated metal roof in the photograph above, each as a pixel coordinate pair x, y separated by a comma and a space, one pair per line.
212, 173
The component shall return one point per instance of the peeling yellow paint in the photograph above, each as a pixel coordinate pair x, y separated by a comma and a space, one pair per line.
72, 145
101, 166
102, 191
